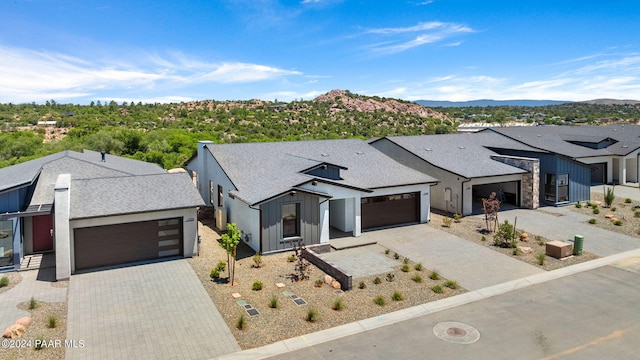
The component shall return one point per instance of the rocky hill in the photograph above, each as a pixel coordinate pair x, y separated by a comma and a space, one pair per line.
343, 100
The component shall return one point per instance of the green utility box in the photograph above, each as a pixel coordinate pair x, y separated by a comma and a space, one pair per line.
578, 240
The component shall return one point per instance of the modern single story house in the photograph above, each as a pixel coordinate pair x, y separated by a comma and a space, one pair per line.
279, 193
94, 210
469, 167
612, 151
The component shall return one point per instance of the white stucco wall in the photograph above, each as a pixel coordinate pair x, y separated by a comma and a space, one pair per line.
189, 225
246, 218
601, 159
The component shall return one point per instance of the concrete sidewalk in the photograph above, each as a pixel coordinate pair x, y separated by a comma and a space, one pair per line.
358, 327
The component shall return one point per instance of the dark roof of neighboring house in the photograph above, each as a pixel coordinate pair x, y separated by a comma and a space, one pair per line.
464, 154
87, 164
558, 139
261, 171
132, 194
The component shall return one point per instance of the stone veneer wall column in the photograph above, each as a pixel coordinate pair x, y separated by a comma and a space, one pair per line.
530, 181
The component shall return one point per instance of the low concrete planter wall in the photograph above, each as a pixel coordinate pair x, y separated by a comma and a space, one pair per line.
311, 254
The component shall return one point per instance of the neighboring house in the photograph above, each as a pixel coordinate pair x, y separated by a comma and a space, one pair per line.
612, 152
279, 193
95, 210
469, 167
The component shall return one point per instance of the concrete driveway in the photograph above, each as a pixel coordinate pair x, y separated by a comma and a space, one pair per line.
561, 223
152, 311
473, 266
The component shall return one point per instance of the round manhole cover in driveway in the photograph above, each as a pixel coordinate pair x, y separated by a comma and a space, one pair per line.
456, 332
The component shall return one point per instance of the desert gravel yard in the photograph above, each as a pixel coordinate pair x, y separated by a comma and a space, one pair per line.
288, 320
626, 211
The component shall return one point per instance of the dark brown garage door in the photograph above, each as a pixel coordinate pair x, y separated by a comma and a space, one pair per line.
379, 211
124, 243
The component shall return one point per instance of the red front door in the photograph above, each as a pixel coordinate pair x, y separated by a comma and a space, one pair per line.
42, 233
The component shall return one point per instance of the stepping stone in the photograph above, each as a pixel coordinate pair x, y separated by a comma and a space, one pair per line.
236, 295
288, 293
241, 302
248, 307
279, 285
294, 297
253, 312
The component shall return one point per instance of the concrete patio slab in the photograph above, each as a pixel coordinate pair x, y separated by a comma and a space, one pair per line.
151, 311
362, 261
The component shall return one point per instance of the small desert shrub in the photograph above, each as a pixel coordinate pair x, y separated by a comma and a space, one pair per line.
516, 252
312, 315
589, 204
377, 281
214, 274
446, 222
318, 283
405, 268
241, 322
257, 260
437, 289
628, 201
596, 211
506, 236
636, 214
338, 304
540, 243
434, 275
33, 303
362, 285
397, 296
609, 197
52, 322
273, 302
291, 258
451, 284
614, 208
592, 221
578, 205
405, 260
257, 285
617, 223
379, 300
390, 277
417, 278
418, 267
221, 266
396, 256
483, 238
4, 282
541, 257
386, 251
457, 217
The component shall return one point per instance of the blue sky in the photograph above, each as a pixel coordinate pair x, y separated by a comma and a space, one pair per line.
171, 51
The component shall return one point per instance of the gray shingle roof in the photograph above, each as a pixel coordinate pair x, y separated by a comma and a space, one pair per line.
262, 170
132, 194
557, 138
467, 155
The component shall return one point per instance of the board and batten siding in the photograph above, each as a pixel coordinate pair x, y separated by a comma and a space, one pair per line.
271, 221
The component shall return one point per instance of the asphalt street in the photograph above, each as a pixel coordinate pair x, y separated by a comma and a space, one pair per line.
589, 315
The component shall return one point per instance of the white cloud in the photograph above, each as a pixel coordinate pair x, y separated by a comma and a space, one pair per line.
405, 38
27, 75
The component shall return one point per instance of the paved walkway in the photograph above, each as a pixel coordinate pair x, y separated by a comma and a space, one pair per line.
471, 265
152, 311
561, 223
29, 287
361, 261
628, 190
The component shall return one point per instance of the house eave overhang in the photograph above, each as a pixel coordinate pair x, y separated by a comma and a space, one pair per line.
293, 189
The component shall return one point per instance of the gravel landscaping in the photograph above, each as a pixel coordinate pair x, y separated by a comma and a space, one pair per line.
39, 330
621, 209
288, 320
14, 279
472, 229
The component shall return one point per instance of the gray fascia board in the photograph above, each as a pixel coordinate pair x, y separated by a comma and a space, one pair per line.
420, 183
133, 212
284, 193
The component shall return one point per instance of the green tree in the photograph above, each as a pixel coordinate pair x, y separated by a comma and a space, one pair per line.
229, 243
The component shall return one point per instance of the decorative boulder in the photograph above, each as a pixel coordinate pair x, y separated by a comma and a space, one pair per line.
24, 321
525, 249
608, 216
328, 279
14, 331
336, 285
524, 237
